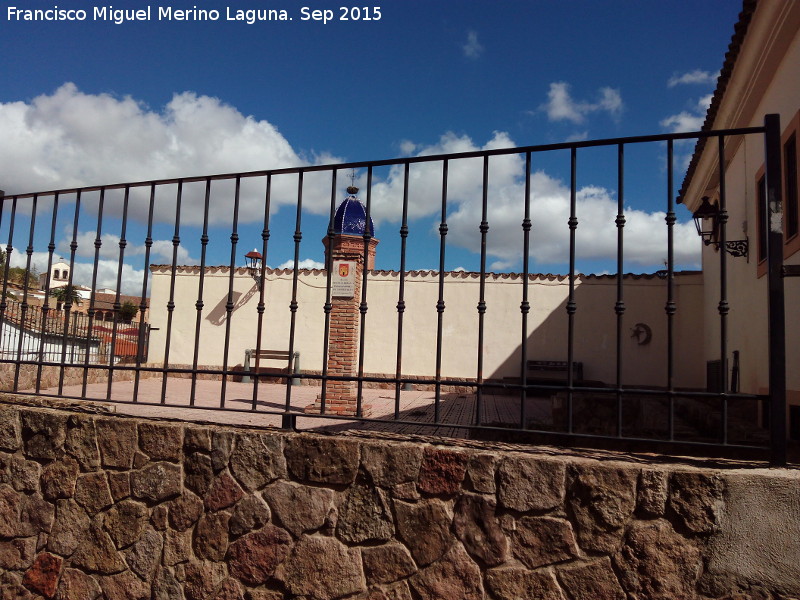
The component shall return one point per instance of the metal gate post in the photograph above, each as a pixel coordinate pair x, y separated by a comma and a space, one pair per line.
777, 318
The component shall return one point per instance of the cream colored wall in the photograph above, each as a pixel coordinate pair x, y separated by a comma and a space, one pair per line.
765, 80
546, 336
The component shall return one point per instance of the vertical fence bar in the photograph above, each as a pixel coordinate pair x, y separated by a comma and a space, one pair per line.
525, 306
122, 244
260, 307
619, 306
440, 302
98, 243
73, 247
176, 242
670, 307
723, 307
401, 302
229, 305
5, 280
199, 304
571, 305
776, 300
148, 244
24, 308
298, 236
46, 321
483, 228
328, 307
363, 307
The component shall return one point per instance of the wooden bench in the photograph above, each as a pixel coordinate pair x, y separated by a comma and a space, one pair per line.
251, 354
554, 371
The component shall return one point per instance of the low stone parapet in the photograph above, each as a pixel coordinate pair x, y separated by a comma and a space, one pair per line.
93, 504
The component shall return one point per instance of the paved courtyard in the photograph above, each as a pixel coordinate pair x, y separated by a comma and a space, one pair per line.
416, 407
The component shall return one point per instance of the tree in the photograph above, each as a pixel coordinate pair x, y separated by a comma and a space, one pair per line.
128, 311
65, 294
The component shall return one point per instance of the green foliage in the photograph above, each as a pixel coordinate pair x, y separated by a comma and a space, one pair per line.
128, 311
64, 293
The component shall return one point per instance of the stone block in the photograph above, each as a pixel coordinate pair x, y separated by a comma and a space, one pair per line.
249, 514
76, 585
323, 460
364, 515
197, 473
454, 576
602, 499
652, 498
528, 483
81, 442
257, 460
442, 471
144, 554
96, 552
590, 580
540, 541
42, 577
431, 517
284, 498
475, 523
10, 429
202, 578
254, 557
387, 563
657, 563
160, 441
514, 583
116, 439
223, 492
321, 567
177, 547
184, 511
390, 464
196, 439
25, 474
58, 478
211, 536
481, 473
44, 433
71, 525
125, 522
92, 492
17, 554
696, 498
221, 447
156, 482
10, 509
125, 586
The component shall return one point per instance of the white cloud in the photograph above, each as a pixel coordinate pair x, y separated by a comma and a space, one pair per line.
473, 48
688, 120
561, 106
70, 138
693, 77
645, 232
306, 263
82, 272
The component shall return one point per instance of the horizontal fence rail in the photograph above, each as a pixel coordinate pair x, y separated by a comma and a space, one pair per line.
610, 358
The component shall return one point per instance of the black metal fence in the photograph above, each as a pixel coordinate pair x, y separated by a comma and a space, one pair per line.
179, 218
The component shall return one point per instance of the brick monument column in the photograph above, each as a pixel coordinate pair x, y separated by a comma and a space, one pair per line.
347, 264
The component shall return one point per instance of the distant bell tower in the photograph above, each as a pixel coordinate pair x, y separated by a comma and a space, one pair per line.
344, 255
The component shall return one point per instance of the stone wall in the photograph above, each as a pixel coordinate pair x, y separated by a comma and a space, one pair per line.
49, 376
103, 506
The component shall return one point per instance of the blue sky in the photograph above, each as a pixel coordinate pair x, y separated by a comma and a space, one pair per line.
95, 102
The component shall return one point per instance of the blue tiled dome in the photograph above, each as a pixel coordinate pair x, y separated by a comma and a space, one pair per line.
351, 216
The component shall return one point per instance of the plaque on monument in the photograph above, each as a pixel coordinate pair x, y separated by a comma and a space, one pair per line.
343, 279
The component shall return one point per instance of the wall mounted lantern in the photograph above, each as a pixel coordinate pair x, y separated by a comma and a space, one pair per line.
710, 212
254, 262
